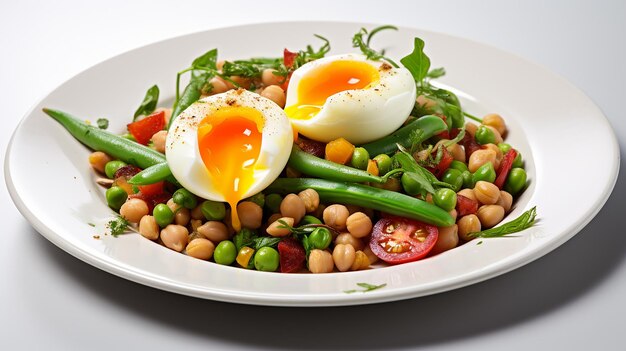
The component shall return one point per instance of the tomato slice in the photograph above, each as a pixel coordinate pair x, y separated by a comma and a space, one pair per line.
144, 129
399, 240
444, 163
505, 168
151, 189
465, 206
289, 58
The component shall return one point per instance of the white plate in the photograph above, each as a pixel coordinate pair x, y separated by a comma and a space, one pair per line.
552, 123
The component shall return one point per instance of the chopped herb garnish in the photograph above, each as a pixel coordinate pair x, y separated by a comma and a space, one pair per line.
366, 287
524, 221
479, 243
103, 123
364, 44
118, 225
91, 224
149, 103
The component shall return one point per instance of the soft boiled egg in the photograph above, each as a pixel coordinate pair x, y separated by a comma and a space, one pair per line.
229, 146
349, 96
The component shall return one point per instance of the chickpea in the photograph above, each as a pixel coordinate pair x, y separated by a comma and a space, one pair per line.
310, 198
148, 227
505, 200
134, 209
343, 256
158, 140
480, 157
486, 193
361, 261
499, 155
215, 231
195, 224
173, 206
275, 229
453, 213
200, 248
370, 255
167, 112
348, 239
336, 216
468, 224
219, 85
471, 128
220, 64
359, 225
98, 160
241, 81
250, 214
425, 102
293, 206
320, 261
468, 193
458, 153
269, 78
496, 134
421, 155
276, 94
496, 121
196, 213
174, 236
490, 215
448, 239
182, 217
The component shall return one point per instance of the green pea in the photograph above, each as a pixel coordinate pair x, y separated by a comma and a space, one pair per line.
485, 172
516, 181
504, 147
383, 162
320, 238
411, 184
163, 215
308, 219
484, 135
258, 199
453, 177
225, 253
360, 157
458, 165
517, 162
445, 199
272, 202
213, 210
116, 197
112, 166
266, 259
185, 198
468, 181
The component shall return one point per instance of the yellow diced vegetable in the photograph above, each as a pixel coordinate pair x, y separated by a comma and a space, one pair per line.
339, 151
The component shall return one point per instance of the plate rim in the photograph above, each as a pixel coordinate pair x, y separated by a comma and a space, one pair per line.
272, 299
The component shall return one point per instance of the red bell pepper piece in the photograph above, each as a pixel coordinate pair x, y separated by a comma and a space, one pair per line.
465, 206
444, 163
292, 255
505, 167
144, 129
151, 189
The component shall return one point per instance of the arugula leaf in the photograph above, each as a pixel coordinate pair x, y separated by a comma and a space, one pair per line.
148, 105
245, 237
364, 44
524, 221
103, 123
366, 287
206, 60
417, 62
117, 226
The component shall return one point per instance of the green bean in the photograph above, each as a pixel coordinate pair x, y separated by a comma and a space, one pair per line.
362, 195
153, 174
190, 95
101, 140
429, 125
318, 167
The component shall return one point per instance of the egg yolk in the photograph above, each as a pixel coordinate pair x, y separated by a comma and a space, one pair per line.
230, 141
327, 80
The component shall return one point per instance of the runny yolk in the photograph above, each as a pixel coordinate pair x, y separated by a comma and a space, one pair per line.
229, 141
322, 82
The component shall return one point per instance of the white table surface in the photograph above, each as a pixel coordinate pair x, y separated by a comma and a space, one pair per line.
573, 298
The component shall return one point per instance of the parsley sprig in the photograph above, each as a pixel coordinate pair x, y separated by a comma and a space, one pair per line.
366, 288
362, 41
118, 225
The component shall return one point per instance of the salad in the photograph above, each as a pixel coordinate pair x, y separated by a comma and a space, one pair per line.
308, 162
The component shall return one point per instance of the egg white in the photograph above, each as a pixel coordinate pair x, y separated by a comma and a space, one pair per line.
183, 154
360, 115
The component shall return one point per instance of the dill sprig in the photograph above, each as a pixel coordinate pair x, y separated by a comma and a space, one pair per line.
524, 221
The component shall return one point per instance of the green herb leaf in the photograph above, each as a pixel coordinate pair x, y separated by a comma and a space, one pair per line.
265, 241
91, 224
207, 60
117, 226
103, 123
364, 44
436, 73
148, 105
417, 62
524, 221
245, 237
366, 287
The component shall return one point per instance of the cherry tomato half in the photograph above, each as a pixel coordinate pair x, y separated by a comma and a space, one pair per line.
399, 240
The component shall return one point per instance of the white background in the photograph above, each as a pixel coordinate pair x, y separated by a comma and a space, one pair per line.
573, 298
